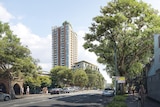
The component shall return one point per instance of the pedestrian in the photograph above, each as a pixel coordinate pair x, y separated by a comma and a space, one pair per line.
27, 90
142, 92
133, 89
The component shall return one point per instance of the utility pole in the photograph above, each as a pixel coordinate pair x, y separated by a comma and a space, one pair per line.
116, 70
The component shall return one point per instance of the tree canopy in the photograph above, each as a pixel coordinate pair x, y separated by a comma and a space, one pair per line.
61, 76
14, 57
80, 78
95, 79
124, 29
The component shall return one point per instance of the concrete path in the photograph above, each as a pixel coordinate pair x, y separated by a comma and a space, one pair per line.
133, 102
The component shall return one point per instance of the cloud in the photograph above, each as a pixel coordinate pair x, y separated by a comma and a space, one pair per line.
39, 46
5, 16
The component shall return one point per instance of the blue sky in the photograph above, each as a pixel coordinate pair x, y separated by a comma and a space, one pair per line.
31, 20
40, 15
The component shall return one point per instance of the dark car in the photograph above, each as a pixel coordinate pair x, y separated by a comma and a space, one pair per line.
109, 92
56, 91
4, 96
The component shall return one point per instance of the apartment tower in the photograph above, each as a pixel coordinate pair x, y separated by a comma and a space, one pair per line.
64, 45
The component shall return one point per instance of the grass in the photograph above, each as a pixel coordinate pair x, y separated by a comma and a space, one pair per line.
118, 101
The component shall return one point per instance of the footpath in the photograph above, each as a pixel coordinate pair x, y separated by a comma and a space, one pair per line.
31, 96
132, 102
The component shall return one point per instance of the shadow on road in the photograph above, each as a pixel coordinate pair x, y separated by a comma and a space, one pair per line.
61, 105
83, 100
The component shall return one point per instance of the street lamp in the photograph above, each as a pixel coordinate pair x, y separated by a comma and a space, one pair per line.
116, 70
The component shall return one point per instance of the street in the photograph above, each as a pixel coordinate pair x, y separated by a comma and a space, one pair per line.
90, 98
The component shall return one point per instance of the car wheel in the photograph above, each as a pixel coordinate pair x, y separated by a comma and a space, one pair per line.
6, 98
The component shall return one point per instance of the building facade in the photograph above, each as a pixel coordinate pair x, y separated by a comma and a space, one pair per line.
64, 45
153, 77
84, 65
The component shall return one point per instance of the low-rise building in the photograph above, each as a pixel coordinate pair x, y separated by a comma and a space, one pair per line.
85, 65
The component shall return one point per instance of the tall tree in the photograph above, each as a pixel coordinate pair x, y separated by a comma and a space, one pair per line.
15, 59
124, 29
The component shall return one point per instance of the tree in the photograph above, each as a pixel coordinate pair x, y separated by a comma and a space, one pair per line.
80, 78
15, 59
45, 81
37, 83
125, 28
100, 81
95, 79
33, 83
61, 76
92, 77
66, 76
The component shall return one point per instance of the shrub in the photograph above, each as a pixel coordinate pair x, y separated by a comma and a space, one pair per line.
117, 104
119, 98
118, 101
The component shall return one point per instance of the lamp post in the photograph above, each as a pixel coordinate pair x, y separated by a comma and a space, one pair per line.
116, 70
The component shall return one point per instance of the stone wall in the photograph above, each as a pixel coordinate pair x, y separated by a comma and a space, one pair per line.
4, 82
11, 84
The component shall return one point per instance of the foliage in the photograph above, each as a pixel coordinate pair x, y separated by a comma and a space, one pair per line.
15, 59
101, 81
125, 28
120, 98
117, 104
118, 101
95, 79
32, 82
37, 83
60, 76
92, 78
80, 78
45, 81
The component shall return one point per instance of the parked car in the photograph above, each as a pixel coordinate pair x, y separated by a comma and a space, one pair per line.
66, 90
56, 91
109, 92
4, 96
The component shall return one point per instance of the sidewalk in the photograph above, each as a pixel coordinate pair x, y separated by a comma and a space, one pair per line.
31, 95
131, 102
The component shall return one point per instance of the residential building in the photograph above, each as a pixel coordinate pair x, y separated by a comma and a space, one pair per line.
64, 45
153, 77
84, 65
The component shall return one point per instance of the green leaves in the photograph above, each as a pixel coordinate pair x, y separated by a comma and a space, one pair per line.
13, 55
61, 76
128, 26
80, 78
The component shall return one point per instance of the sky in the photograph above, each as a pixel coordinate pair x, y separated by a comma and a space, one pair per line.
32, 22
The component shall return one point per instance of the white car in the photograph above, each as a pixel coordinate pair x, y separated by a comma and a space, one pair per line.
4, 96
108, 92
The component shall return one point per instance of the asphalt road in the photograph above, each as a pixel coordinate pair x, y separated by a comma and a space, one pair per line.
92, 98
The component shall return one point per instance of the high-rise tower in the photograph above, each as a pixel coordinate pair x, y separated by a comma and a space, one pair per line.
64, 45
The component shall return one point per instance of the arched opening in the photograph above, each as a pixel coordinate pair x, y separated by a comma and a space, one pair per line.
2, 88
16, 89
